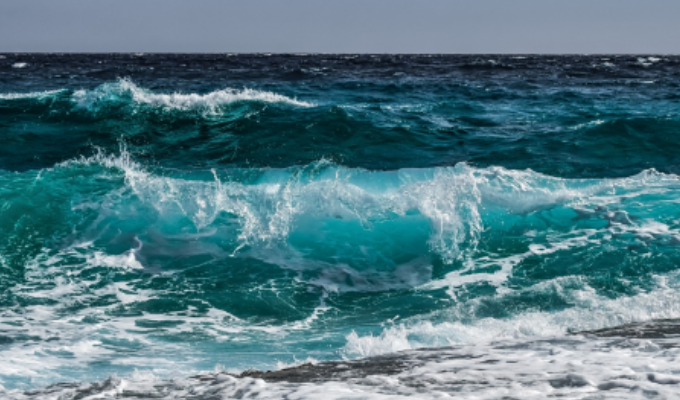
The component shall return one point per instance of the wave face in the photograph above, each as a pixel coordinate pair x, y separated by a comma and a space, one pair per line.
327, 208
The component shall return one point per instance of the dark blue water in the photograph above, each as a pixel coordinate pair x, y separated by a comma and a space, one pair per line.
179, 213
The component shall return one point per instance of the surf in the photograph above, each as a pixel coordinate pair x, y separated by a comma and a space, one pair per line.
149, 253
204, 223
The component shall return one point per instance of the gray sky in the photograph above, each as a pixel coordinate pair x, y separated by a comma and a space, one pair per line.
345, 26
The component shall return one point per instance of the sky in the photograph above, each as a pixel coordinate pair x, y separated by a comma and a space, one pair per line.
341, 26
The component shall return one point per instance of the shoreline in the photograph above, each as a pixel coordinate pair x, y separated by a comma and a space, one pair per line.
469, 371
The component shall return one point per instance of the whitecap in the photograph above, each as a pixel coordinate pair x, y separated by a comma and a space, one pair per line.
210, 102
30, 95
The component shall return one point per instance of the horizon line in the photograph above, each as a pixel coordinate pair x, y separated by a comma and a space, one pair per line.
302, 53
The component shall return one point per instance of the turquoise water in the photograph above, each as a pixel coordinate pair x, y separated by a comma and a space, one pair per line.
326, 207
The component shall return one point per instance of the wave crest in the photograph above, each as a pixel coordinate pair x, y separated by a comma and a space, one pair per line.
457, 203
211, 102
31, 95
125, 92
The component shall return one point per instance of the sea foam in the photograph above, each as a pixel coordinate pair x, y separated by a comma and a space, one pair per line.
30, 95
124, 89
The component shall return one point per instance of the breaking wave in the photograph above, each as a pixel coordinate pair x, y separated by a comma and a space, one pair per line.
125, 89
214, 213
485, 253
124, 92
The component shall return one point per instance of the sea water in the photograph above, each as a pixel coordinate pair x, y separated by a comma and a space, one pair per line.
168, 216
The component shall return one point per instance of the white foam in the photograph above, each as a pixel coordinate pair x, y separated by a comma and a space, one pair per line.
20, 65
646, 62
589, 311
31, 95
209, 102
573, 368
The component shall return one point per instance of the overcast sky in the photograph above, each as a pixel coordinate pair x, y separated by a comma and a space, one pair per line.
344, 26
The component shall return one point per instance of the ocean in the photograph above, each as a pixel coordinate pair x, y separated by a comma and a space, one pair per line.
361, 226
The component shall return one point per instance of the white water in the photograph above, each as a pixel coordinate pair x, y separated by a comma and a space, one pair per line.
573, 368
273, 207
210, 102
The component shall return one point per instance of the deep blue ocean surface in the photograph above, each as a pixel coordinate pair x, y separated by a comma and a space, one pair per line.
185, 213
